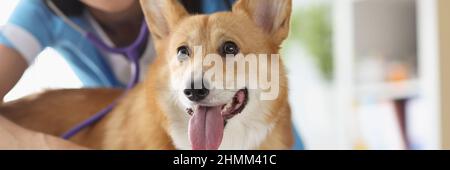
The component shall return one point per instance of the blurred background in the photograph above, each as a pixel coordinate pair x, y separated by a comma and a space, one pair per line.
364, 74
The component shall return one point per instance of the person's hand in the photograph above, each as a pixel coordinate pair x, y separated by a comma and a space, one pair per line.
16, 137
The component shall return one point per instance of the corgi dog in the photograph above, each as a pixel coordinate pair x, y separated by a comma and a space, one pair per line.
177, 106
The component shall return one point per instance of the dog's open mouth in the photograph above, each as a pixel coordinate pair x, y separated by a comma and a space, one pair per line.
208, 122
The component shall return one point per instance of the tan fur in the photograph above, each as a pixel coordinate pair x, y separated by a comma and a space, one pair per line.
140, 120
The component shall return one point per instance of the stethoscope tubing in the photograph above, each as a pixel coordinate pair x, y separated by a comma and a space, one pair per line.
131, 52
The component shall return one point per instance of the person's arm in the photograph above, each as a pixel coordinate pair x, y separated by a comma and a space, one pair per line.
15, 137
12, 66
12, 136
22, 38
27, 33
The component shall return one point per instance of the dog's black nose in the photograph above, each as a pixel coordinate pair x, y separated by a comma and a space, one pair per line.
196, 95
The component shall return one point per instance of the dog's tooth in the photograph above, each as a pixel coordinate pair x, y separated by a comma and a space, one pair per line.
189, 111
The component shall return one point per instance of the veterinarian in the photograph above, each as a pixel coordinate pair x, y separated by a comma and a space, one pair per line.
33, 26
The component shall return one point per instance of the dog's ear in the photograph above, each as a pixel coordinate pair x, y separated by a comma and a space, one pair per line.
273, 16
162, 16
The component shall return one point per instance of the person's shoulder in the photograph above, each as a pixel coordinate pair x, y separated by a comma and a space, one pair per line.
34, 5
31, 12
40, 3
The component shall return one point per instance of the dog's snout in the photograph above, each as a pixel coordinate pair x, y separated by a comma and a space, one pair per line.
196, 95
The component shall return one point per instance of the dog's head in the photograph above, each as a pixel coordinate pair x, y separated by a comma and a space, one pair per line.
223, 105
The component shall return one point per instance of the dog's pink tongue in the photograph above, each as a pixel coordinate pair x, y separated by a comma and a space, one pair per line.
206, 128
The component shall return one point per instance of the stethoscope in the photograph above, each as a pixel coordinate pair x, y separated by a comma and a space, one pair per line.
131, 52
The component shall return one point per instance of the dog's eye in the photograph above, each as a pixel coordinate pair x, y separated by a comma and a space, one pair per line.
183, 53
229, 48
